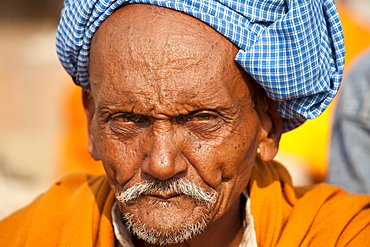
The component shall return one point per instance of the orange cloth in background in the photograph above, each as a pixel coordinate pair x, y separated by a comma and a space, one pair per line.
74, 156
76, 211
287, 216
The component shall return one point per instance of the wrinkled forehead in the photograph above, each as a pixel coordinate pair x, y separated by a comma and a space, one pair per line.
151, 25
158, 39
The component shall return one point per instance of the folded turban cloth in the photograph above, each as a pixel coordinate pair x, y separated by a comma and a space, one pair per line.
293, 48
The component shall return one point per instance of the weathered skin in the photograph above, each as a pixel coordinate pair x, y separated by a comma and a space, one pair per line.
168, 101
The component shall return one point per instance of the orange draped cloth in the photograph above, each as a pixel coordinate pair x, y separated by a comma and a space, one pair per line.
76, 211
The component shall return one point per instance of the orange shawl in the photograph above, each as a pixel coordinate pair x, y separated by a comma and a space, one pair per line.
76, 211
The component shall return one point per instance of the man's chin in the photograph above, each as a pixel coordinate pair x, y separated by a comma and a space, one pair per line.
163, 223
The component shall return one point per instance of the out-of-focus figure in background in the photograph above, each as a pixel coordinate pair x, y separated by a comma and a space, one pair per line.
32, 86
350, 143
305, 164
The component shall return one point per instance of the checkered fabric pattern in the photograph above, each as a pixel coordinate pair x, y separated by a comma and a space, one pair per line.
293, 48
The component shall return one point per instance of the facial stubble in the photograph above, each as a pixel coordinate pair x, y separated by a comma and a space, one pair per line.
163, 233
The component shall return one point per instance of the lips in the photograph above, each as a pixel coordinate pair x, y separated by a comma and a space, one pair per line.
163, 196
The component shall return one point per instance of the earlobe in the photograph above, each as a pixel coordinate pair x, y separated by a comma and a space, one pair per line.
92, 150
89, 106
272, 128
268, 149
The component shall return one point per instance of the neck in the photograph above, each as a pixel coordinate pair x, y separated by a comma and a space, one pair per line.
226, 231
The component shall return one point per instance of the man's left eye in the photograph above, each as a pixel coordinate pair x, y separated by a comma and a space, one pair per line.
203, 117
198, 116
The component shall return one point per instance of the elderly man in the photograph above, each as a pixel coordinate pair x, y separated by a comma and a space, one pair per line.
187, 134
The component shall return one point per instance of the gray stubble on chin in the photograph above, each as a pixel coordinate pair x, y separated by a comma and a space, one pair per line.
159, 234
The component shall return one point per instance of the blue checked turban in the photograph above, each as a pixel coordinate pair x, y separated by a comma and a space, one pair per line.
294, 48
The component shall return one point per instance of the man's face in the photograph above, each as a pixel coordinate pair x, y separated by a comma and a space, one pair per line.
169, 104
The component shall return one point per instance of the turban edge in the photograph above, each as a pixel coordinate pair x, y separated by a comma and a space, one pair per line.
294, 49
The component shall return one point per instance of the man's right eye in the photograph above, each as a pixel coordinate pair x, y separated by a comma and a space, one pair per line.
131, 118
136, 118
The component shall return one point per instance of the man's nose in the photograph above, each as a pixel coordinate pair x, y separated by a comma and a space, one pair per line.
164, 158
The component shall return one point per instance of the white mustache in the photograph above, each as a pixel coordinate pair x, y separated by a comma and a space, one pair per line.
178, 186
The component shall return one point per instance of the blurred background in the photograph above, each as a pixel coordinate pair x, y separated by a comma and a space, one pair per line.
31, 95
42, 126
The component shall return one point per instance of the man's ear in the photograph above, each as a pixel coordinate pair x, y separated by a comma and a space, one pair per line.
272, 128
89, 106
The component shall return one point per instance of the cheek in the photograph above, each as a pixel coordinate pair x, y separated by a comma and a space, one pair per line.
238, 154
121, 158
225, 159
225, 164
232, 159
